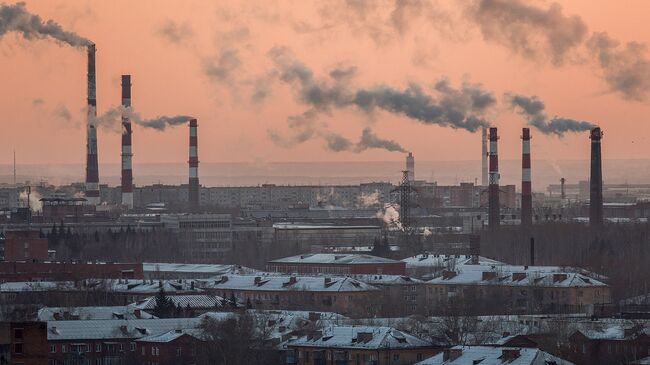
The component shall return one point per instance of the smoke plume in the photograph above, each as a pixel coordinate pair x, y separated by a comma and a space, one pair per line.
16, 18
460, 109
370, 140
177, 33
529, 30
112, 119
625, 68
532, 108
390, 216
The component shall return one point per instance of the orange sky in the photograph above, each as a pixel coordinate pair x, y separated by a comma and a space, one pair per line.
169, 79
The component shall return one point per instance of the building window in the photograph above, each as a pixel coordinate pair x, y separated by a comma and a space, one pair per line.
98, 347
179, 352
64, 349
121, 347
132, 346
144, 350
18, 348
396, 357
52, 349
419, 357
18, 333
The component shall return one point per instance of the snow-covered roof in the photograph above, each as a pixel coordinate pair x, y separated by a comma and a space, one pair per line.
135, 286
487, 355
213, 269
333, 258
192, 301
319, 226
115, 329
514, 275
365, 337
427, 260
380, 279
83, 313
287, 283
171, 335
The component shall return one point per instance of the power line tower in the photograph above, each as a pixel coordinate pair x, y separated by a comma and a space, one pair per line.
405, 200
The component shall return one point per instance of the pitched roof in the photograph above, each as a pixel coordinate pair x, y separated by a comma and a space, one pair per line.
213, 269
115, 329
486, 355
331, 258
193, 301
170, 336
83, 313
287, 283
441, 261
514, 275
365, 337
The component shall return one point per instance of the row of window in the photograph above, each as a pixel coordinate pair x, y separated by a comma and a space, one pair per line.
84, 347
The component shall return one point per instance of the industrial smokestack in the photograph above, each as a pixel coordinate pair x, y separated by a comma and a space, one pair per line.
484, 157
92, 165
532, 251
193, 196
127, 153
494, 218
410, 167
562, 188
596, 182
526, 190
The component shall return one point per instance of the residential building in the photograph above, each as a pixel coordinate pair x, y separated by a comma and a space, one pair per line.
336, 345
343, 295
472, 355
23, 343
175, 347
609, 345
24, 245
337, 264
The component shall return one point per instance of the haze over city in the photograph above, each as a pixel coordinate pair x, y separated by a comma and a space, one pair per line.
340, 182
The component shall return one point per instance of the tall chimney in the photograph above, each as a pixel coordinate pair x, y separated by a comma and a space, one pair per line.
410, 167
193, 196
127, 153
526, 190
596, 182
562, 188
493, 190
484, 157
532, 251
92, 166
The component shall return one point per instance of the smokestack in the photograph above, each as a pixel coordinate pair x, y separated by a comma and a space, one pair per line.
92, 166
484, 157
493, 189
526, 190
127, 153
532, 251
562, 188
596, 182
193, 196
410, 167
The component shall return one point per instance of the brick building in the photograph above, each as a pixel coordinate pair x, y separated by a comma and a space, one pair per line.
338, 264
343, 295
24, 245
175, 347
57, 271
23, 343
609, 345
359, 345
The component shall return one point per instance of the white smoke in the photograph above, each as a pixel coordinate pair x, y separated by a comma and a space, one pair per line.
427, 232
34, 200
390, 216
369, 199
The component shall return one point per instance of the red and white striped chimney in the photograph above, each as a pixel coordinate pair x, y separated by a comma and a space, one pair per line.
484, 157
494, 212
526, 190
92, 165
127, 154
193, 196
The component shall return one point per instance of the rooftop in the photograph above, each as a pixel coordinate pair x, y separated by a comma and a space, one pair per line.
83, 313
184, 301
286, 283
116, 329
331, 258
365, 337
485, 355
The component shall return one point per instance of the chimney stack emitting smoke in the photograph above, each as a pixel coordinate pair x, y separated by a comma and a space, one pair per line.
92, 165
484, 157
494, 218
127, 153
193, 197
526, 189
596, 182
410, 166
